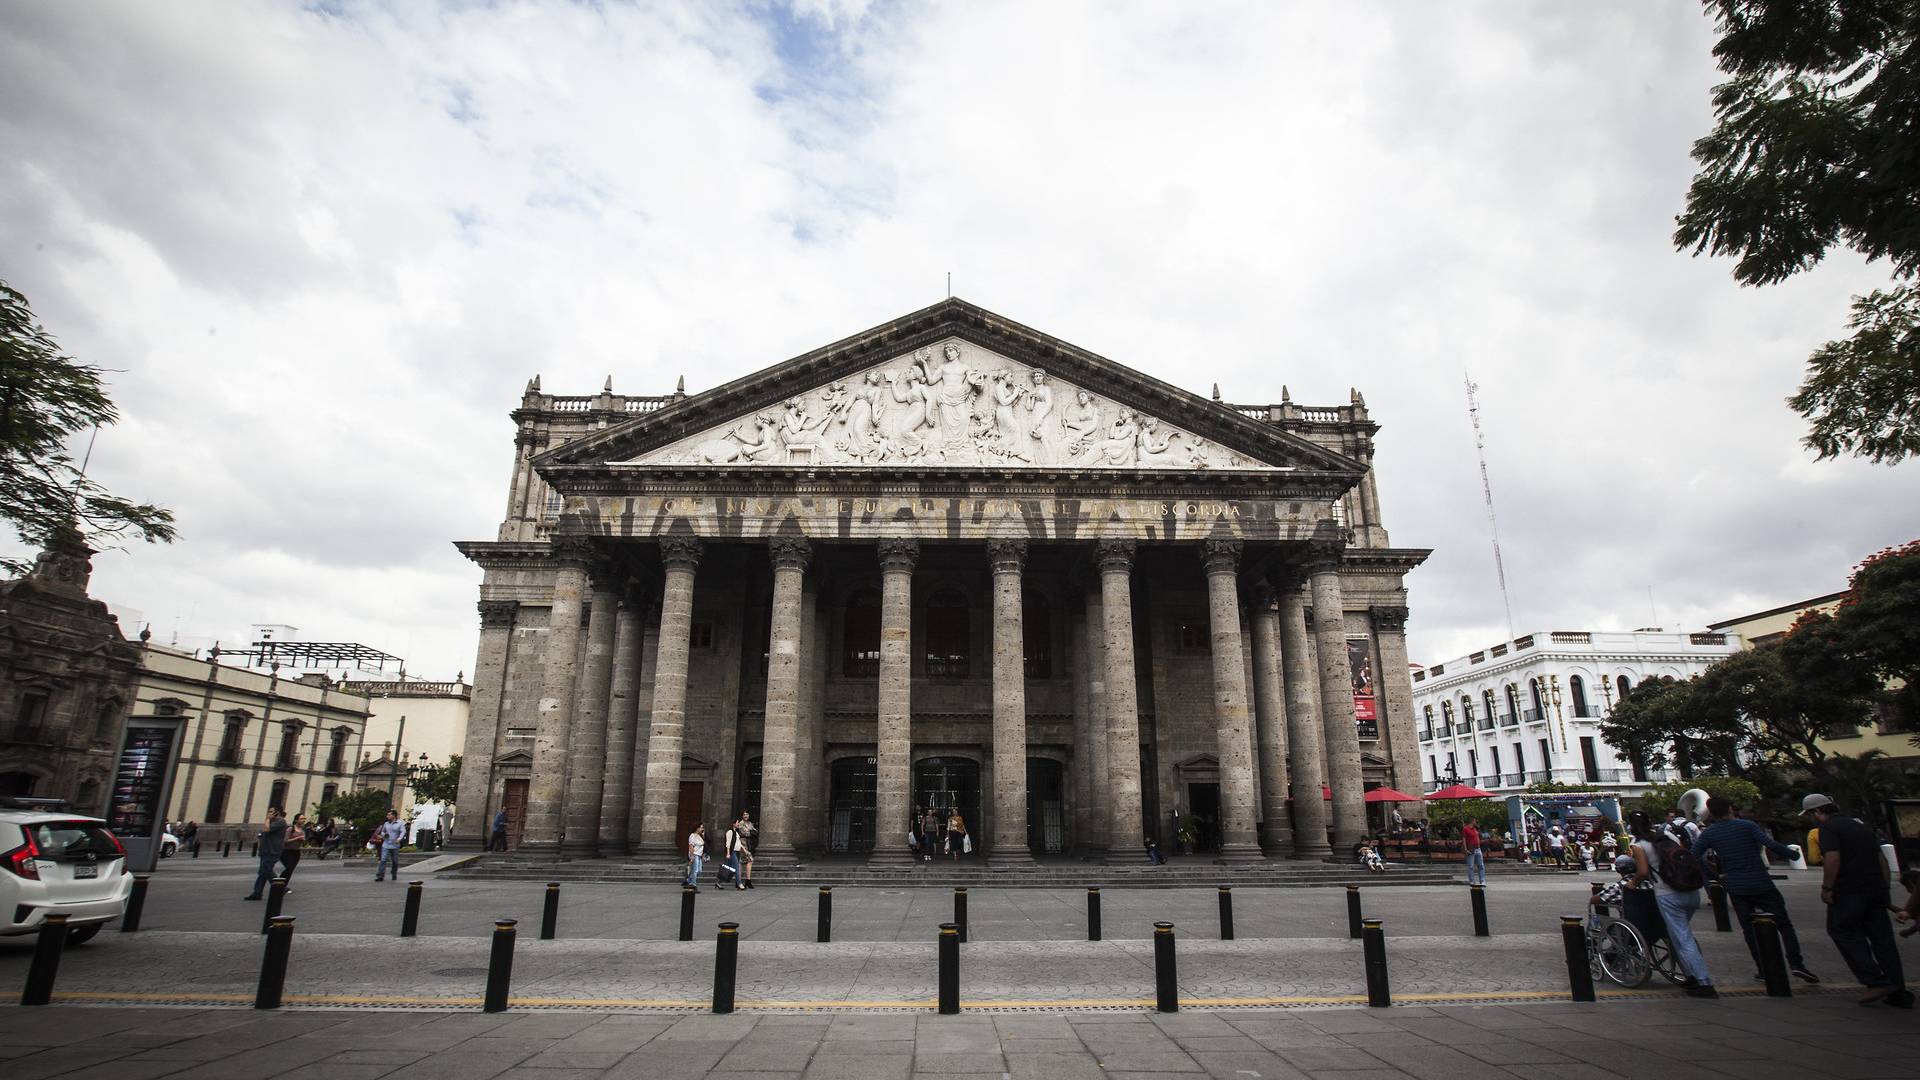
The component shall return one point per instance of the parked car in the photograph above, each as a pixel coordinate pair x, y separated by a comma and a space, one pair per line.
57, 862
169, 844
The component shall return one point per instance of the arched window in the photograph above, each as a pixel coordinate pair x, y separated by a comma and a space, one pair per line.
1492, 709
1577, 689
1624, 686
1513, 704
860, 636
1446, 717
1036, 635
1539, 706
1466, 710
949, 636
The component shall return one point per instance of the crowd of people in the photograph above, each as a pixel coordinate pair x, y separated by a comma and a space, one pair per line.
735, 865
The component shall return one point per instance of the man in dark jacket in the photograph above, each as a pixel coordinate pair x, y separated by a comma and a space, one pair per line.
1853, 885
273, 842
1736, 845
498, 840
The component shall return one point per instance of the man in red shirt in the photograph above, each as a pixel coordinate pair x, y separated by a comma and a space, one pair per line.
1476, 858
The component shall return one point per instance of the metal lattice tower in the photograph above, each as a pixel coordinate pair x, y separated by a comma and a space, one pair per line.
1486, 489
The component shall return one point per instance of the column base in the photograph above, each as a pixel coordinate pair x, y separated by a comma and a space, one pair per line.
1244, 852
1278, 843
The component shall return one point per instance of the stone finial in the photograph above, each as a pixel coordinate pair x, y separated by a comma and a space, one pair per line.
65, 565
680, 387
534, 386
608, 388
1216, 391
1285, 397
146, 633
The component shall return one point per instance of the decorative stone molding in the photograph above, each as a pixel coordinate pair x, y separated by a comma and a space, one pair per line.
1322, 556
1262, 596
680, 552
570, 548
789, 552
1221, 556
1115, 556
1391, 619
898, 556
1007, 556
498, 614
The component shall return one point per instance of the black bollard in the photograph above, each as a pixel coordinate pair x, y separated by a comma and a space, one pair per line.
273, 966
1477, 896
726, 959
1773, 961
1093, 914
1374, 948
226, 848
949, 969
1353, 912
1717, 896
687, 893
1166, 992
500, 966
135, 904
960, 913
410, 917
1573, 933
823, 931
550, 915
1226, 913
255, 853
276, 899
46, 960
196, 849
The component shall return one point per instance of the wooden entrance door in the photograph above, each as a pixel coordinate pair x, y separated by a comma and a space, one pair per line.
514, 801
692, 795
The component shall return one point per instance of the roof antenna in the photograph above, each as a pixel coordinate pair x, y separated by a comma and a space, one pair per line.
1486, 488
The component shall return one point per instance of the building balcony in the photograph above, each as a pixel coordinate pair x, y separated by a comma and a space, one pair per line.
1486, 723
227, 755
1426, 734
1533, 716
1508, 720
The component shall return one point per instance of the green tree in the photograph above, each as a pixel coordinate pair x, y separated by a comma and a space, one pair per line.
1661, 799
46, 400
1654, 724
1550, 787
357, 812
438, 783
1812, 148
1881, 620
1486, 813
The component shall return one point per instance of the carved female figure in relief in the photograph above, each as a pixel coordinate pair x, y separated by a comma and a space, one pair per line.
907, 388
1120, 446
864, 411
952, 388
1007, 431
1154, 444
1039, 402
1079, 421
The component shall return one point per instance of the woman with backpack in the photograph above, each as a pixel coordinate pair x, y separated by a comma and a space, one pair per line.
1677, 880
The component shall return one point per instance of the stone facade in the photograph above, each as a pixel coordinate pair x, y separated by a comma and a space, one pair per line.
67, 678
949, 564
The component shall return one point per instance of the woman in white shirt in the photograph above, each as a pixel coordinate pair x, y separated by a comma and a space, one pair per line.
1676, 906
696, 854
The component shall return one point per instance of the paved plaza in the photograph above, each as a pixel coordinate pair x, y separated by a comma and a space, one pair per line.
616, 995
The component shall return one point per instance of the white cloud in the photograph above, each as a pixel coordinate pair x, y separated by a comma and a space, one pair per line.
325, 251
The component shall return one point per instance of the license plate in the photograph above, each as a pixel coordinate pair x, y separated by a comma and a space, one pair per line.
86, 870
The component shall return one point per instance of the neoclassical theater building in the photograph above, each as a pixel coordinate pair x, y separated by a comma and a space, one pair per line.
950, 563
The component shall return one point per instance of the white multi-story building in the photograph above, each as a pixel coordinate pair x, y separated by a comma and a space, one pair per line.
1528, 710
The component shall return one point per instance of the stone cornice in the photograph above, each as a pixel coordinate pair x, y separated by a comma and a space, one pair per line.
505, 554
1398, 560
881, 480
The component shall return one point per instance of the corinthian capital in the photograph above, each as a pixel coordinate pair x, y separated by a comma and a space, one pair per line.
1321, 556
680, 552
1115, 556
1007, 556
498, 614
572, 549
1390, 619
1221, 556
789, 552
897, 556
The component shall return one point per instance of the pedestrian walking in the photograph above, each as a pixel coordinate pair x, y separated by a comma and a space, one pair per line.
730, 853
497, 840
696, 855
1734, 845
748, 833
957, 843
388, 836
1557, 844
1855, 888
273, 838
929, 835
1677, 881
291, 853
1476, 855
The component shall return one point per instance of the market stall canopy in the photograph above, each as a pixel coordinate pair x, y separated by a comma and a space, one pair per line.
1461, 791
1387, 794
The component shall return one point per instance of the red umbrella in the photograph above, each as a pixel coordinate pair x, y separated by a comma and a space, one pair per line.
1461, 791
1387, 794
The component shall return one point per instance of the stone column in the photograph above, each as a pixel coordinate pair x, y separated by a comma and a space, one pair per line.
1009, 558
1396, 695
680, 555
807, 767
1306, 738
781, 730
1336, 701
587, 761
554, 724
1098, 755
1270, 726
1125, 826
893, 780
1239, 837
1083, 728
475, 819
649, 646
623, 713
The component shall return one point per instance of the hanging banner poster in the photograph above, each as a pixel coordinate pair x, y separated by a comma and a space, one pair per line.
1360, 662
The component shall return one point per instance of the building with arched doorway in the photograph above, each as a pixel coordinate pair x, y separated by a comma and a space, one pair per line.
950, 565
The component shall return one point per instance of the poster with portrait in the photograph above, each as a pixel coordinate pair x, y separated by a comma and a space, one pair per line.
1360, 662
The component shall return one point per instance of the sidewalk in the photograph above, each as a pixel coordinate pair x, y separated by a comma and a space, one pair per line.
1750, 1038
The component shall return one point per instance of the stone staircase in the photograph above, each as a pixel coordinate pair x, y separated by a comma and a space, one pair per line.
1183, 873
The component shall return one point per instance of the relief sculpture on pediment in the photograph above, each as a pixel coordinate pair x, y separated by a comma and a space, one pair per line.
953, 405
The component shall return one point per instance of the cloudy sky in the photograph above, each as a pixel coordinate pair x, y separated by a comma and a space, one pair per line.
323, 247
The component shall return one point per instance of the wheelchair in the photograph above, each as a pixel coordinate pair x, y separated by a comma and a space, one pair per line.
1627, 944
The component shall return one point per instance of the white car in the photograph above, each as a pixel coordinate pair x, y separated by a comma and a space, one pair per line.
169, 844
54, 862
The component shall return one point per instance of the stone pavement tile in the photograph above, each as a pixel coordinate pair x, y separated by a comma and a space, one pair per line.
685, 1061
127, 1070
831, 1045
1348, 1023
326, 1070
1512, 1053
7, 1052
1879, 1046
1434, 1062
461, 1063
959, 1061
758, 1053
378, 1055
860, 1065
1159, 1061
1068, 1066
1602, 1051
853, 1027
194, 1050
1139, 1036
1454, 1032
1238, 1066
547, 1025
754, 1075
1192, 1023
1150, 1075
260, 1062
1017, 1046
706, 1027
1578, 1070
596, 1060
55, 1060
1221, 1044
1282, 1041
1446, 1030
1362, 1074
1321, 1059
1835, 1056
1033, 1027
521, 1072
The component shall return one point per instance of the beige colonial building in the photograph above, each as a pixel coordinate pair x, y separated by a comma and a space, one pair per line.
414, 722
949, 563
253, 740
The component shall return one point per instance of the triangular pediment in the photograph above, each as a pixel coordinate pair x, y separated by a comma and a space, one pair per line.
951, 387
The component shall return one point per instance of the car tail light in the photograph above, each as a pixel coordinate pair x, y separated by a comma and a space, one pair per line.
120, 851
20, 859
